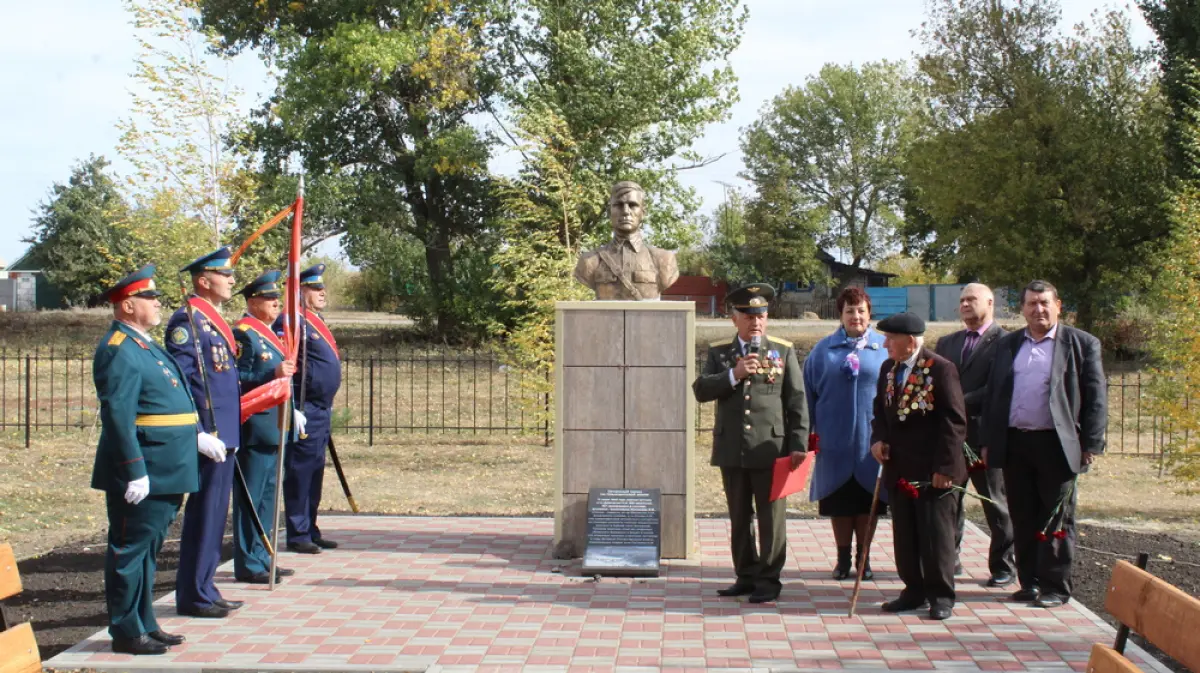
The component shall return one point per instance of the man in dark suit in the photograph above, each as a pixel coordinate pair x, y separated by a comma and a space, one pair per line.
917, 435
1044, 422
971, 352
762, 415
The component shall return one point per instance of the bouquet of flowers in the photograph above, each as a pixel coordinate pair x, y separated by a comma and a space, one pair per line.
974, 462
1059, 533
913, 489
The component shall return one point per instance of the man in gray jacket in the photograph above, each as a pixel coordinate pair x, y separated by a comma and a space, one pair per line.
1044, 422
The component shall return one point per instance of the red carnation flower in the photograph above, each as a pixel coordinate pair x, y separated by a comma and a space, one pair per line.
1060, 535
909, 489
1041, 536
977, 466
814, 443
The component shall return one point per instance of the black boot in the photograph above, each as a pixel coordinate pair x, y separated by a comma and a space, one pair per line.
842, 570
858, 554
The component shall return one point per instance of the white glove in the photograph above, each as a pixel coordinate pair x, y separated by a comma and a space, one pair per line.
211, 446
299, 421
137, 490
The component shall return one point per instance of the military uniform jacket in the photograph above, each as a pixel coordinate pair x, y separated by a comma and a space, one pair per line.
147, 418
319, 370
648, 270
763, 417
260, 353
928, 436
218, 350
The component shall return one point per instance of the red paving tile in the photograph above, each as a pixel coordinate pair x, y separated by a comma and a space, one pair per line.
480, 593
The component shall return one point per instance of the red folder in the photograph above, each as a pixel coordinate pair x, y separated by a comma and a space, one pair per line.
786, 480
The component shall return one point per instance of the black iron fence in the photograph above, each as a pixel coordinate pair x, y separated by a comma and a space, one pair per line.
443, 391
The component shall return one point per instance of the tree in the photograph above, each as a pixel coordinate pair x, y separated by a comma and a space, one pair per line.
1042, 145
633, 83
183, 114
76, 240
1177, 24
381, 93
834, 148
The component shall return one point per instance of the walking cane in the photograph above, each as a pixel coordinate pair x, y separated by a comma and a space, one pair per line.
866, 548
337, 464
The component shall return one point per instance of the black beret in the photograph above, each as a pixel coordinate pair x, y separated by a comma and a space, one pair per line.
753, 298
902, 323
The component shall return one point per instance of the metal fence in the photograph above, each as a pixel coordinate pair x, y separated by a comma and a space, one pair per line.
441, 391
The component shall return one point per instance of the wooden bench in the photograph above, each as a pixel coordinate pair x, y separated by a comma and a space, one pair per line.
1158, 611
18, 649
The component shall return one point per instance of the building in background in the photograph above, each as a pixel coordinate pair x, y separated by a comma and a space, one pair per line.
23, 287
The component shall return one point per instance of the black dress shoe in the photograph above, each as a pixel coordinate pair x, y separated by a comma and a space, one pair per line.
1050, 601
167, 638
325, 544
903, 605
303, 548
958, 569
1025, 595
760, 596
868, 574
736, 589
284, 572
143, 644
227, 604
841, 572
263, 577
213, 611
1001, 580
940, 612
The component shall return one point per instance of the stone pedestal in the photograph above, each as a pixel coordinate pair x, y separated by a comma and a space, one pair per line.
624, 412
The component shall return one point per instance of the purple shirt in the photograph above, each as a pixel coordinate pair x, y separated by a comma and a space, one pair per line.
1030, 408
972, 340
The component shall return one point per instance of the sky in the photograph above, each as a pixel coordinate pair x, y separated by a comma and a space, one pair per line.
65, 75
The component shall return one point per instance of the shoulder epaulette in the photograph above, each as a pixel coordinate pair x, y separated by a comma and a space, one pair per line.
784, 342
116, 339
245, 327
720, 342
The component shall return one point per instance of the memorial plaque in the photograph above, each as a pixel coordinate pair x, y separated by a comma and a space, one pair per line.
624, 532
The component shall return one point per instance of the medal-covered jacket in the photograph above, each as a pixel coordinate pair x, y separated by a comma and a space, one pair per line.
922, 419
319, 369
763, 417
218, 351
260, 354
147, 418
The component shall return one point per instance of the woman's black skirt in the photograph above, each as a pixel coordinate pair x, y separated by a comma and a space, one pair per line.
849, 500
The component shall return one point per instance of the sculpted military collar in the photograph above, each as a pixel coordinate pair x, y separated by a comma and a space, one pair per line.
634, 242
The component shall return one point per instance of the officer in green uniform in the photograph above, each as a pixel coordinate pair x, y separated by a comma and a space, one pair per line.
145, 461
761, 416
260, 360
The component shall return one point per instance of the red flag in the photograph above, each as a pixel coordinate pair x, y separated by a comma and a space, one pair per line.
291, 324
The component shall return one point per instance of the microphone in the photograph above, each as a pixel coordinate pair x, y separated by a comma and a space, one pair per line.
755, 344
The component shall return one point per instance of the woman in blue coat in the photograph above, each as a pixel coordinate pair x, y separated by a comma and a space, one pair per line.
840, 376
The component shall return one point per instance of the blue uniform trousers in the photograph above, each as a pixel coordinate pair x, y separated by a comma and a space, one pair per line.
203, 533
304, 474
135, 536
258, 463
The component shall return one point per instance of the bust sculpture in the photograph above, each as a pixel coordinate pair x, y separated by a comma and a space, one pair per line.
627, 268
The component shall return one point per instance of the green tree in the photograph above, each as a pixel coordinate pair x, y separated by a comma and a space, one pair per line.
834, 149
1177, 24
381, 92
1042, 155
76, 238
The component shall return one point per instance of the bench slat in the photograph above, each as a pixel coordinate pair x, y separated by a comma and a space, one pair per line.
10, 581
19, 651
1105, 659
1158, 611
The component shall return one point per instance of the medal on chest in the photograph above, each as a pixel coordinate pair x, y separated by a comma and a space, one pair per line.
916, 391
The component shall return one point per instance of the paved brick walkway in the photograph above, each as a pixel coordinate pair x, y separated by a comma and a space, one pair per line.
449, 594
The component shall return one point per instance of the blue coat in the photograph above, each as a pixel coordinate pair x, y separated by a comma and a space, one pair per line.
319, 369
220, 367
147, 419
840, 410
256, 363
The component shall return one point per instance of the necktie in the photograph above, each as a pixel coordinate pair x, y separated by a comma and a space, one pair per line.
969, 344
901, 373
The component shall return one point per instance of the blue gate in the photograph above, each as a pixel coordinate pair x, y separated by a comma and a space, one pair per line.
887, 301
